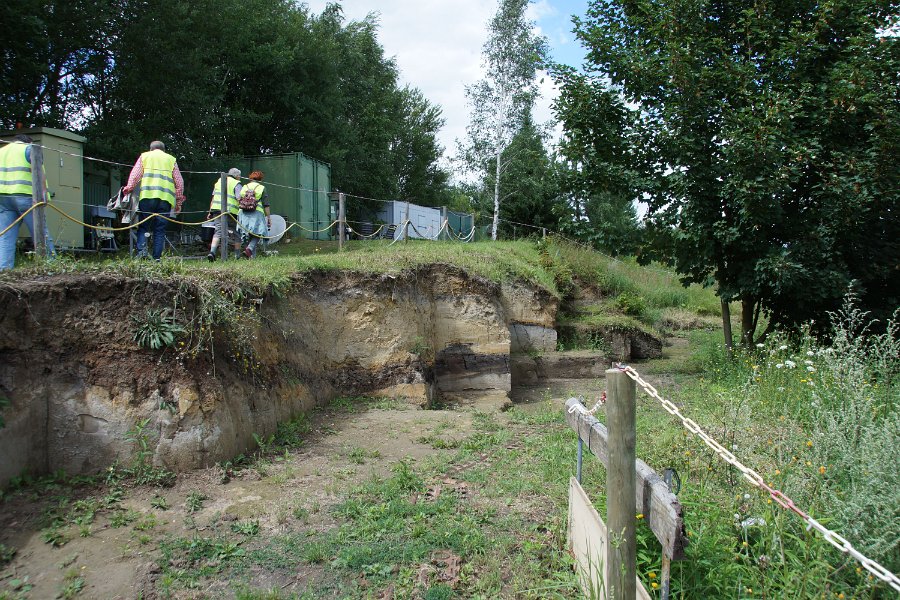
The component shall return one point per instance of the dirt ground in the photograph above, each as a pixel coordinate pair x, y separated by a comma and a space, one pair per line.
345, 445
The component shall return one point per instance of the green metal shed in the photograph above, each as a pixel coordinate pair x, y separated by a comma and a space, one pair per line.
298, 188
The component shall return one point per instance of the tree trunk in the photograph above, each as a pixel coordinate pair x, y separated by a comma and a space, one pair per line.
726, 325
748, 322
496, 197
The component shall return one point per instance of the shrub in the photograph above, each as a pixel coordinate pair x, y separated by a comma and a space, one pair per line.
631, 304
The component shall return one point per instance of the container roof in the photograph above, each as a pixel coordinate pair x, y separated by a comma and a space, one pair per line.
32, 131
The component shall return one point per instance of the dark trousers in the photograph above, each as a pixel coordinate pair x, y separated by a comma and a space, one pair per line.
156, 225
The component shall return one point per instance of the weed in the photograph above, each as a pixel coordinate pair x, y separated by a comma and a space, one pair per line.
121, 518
359, 455
54, 537
6, 554
248, 528
439, 443
141, 470
159, 502
194, 502
156, 328
73, 583
631, 304
146, 523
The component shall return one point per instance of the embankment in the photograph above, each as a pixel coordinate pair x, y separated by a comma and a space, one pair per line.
78, 382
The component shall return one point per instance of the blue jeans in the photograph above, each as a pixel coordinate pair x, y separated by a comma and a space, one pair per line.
156, 225
11, 207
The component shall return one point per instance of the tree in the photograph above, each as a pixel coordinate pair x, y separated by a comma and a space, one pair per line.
271, 78
531, 198
765, 136
502, 101
597, 170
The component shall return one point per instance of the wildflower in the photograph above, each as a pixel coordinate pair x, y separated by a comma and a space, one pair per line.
807, 362
778, 471
746, 496
641, 515
744, 544
810, 353
821, 470
654, 585
790, 364
811, 368
734, 446
749, 590
651, 575
809, 443
779, 366
808, 464
782, 347
841, 596
760, 345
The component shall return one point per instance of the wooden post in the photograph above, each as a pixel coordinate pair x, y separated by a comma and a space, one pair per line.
406, 224
342, 221
38, 195
543, 233
444, 224
662, 511
223, 217
620, 486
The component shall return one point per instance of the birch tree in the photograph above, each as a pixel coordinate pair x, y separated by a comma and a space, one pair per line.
501, 102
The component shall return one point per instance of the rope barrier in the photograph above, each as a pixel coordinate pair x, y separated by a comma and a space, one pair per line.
757, 480
22, 216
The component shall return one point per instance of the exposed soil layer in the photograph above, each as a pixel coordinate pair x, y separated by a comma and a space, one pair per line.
78, 381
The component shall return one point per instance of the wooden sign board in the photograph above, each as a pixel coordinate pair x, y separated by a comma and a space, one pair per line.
587, 541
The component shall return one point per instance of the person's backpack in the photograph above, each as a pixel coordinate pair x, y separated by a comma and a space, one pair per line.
247, 201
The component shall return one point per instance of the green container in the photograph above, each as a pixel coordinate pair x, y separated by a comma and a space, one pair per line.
298, 188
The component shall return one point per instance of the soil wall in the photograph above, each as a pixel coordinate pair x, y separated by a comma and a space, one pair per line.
78, 382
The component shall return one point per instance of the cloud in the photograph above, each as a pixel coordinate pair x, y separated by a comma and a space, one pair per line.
437, 45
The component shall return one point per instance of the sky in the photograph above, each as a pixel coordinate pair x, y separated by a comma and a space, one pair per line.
437, 45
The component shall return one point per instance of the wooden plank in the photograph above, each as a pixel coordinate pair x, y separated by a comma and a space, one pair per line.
588, 541
661, 509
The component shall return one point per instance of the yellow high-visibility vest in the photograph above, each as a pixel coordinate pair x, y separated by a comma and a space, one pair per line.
216, 202
258, 191
157, 181
15, 170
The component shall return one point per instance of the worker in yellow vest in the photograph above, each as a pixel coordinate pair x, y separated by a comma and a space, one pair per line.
254, 219
232, 192
16, 197
157, 181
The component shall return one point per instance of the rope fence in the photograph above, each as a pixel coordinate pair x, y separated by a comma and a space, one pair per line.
756, 480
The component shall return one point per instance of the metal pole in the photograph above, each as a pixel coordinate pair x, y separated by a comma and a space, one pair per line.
543, 233
342, 221
38, 195
444, 223
620, 486
406, 224
580, 458
223, 217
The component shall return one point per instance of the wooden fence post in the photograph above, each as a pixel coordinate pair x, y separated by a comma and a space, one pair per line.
342, 221
620, 486
406, 224
38, 195
223, 218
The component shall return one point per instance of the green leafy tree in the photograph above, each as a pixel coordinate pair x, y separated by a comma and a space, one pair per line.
531, 198
765, 137
501, 102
